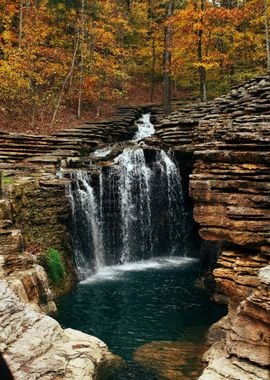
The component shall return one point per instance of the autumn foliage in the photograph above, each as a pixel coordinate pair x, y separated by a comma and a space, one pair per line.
76, 54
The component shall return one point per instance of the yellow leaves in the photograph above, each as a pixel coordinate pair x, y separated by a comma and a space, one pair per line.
13, 85
206, 65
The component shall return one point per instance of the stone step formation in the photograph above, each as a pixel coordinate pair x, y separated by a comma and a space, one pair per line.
17, 150
246, 103
228, 140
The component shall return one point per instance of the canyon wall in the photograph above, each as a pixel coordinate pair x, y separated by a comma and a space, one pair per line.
229, 142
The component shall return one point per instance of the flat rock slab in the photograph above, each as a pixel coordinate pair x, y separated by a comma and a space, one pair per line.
172, 360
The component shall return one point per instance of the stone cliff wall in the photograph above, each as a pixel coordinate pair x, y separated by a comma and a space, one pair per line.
19, 268
40, 211
230, 188
229, 142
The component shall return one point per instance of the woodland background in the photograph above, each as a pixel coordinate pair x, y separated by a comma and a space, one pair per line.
63, 61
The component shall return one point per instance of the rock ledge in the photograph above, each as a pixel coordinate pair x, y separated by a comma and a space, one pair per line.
36, 347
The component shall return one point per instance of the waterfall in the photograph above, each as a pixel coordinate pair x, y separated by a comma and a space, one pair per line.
87, 236
176, 211
145, 127
135, 209
131, 210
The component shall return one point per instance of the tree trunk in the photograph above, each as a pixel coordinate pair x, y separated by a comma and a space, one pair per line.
267, 34
201, 69
167, 59
82, 60
20, 22
65, 81
153, 69
153, 47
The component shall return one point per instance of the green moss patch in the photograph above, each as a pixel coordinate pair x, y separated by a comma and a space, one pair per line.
54, 266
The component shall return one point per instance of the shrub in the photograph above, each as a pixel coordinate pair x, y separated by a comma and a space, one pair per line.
53, 264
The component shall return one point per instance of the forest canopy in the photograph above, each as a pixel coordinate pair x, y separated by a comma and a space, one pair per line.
79, 54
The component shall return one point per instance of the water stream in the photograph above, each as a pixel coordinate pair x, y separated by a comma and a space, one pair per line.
137, 274
133, 211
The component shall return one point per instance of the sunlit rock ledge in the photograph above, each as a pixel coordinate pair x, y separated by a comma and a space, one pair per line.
243, 353
36, 347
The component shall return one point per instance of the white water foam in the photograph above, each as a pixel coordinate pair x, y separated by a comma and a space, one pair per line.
102, 152
115, 272
145, 127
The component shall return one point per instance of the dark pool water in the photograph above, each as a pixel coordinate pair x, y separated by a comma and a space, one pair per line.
138, 303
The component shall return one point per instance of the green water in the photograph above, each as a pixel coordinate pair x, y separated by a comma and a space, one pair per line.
138, 303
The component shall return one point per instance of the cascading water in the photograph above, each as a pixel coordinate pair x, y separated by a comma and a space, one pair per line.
133, 211
145, 127
137, 283
86, 228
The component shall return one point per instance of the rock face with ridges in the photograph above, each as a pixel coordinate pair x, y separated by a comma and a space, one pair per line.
50, 152
246, 103
229, 143
36, 347
19, 268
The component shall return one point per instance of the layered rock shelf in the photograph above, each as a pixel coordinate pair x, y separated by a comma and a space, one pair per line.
247, 103
68, 145
228, 140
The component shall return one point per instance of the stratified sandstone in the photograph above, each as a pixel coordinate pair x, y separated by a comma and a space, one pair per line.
66, 147
19, 268
36, 347
229, 142
243, 351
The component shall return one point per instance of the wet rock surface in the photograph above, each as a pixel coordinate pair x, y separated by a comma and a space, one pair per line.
172, 360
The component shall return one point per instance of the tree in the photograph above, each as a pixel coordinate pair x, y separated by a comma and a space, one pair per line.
201, 68
167, 57
267, 34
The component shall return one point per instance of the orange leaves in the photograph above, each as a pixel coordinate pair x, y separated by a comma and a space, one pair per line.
118, 41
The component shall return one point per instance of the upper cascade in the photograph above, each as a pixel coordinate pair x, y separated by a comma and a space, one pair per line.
145, 127
132, 210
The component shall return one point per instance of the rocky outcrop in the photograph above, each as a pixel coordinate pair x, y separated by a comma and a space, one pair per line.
19, 268
36, 347
41, 210
246, 103
37, 208
243, 352
228, 140
230, 187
